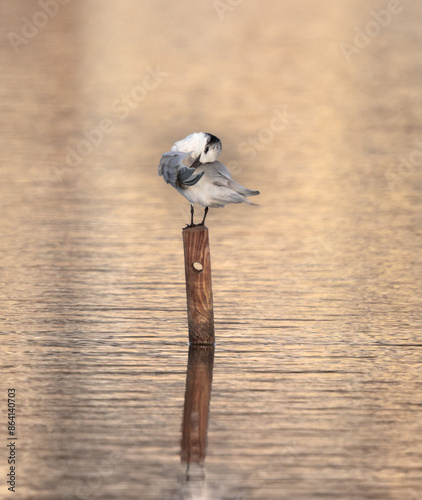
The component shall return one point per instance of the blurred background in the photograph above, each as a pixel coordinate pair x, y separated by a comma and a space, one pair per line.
317, 373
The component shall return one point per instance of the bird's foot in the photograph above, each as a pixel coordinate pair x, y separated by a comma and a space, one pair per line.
201, 224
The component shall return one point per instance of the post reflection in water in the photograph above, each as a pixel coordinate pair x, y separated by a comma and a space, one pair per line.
197, 405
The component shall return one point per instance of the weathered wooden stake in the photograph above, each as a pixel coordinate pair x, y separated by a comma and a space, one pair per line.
198, 285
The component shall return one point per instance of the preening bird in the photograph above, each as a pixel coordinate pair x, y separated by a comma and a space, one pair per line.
192, 168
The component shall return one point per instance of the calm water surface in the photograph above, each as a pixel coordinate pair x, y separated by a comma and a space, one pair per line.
316, 386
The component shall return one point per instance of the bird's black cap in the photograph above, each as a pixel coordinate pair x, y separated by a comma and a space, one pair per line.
212, 139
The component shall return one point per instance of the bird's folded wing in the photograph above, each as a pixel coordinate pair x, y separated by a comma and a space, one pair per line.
221, 169
174, 172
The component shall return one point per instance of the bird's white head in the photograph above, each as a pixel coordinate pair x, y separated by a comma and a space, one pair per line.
205, 148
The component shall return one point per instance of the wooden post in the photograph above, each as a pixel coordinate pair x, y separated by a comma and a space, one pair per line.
197, 403
198, 285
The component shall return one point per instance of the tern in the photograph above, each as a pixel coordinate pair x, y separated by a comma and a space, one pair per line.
192, 168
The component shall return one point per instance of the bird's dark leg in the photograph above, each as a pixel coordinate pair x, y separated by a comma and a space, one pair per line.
191, 216
205, 214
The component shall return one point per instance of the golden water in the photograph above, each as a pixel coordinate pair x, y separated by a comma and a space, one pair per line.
317, 372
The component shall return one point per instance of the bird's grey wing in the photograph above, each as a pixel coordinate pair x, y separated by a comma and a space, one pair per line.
222, 178
175, 173
221, 169
218, 174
